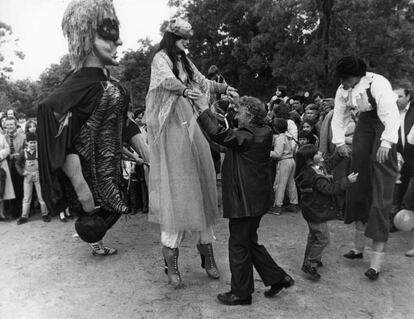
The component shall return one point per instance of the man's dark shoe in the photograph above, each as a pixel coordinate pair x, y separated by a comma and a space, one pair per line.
320, 264
311, 272
352, 255
372, 274
230, 299
46, 218
22, 220
276, 288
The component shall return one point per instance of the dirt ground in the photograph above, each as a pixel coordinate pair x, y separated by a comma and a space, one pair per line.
47, 273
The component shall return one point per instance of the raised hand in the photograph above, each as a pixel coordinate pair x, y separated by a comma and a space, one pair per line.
352, 178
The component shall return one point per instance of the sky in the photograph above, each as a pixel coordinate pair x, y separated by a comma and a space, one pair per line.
37, 25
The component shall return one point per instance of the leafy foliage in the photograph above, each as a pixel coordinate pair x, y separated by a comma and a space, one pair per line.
258, 44
8, 41
261, 43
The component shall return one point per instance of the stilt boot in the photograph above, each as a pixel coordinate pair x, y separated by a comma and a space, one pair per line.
207, 260
171, 259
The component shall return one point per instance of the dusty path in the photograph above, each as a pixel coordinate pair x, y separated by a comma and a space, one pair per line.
46, 273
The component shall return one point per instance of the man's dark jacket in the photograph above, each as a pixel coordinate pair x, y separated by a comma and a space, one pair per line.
246, 171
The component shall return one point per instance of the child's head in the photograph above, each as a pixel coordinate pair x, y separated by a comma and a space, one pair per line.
281, 111
31, 139
312, 112
308, 155
304, 138
280, 125
31, 126
307, 126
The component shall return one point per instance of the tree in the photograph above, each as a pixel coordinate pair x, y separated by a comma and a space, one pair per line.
135, 66
261, 43
7, 41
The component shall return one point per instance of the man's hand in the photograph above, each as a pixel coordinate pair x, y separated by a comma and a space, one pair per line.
344, 150
382, 154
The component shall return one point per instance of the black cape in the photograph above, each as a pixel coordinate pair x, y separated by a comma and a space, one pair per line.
79, 94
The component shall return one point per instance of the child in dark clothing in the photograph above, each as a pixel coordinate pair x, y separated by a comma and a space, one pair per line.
317, 203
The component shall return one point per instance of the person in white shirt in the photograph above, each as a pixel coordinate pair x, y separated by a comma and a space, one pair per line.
374, 156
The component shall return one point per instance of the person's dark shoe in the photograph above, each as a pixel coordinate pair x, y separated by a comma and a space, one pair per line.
276, 288
320, 264
353, 255
134, 211
46, 218
293, 208
230, 299
22, 220
372, 274
311, 272
276, 210
4, 218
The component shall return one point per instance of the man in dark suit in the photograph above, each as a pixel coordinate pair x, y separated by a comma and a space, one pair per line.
406, 149
403, 147
247, 187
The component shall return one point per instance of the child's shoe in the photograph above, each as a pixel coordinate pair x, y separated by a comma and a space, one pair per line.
353, 255
311, 272
22, 220
372, 274
46, 218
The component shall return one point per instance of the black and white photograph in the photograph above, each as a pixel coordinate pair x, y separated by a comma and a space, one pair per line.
206, 159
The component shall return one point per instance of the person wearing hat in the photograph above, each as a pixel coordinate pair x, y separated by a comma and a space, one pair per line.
182, 181
80, 125
374, 156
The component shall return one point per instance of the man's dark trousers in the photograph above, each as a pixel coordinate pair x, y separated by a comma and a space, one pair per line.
245, 252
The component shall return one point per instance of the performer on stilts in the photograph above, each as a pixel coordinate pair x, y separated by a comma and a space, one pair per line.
182, 181
374, 156
80, 125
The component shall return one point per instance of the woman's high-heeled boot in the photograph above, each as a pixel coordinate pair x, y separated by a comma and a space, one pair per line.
171, 259
207, 260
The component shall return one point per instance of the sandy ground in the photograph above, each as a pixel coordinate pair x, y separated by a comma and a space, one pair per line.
46, 273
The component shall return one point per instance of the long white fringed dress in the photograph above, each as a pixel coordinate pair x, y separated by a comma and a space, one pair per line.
182, 182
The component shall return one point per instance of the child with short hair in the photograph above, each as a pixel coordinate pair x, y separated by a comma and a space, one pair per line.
27, 166
305, 138
317, 203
